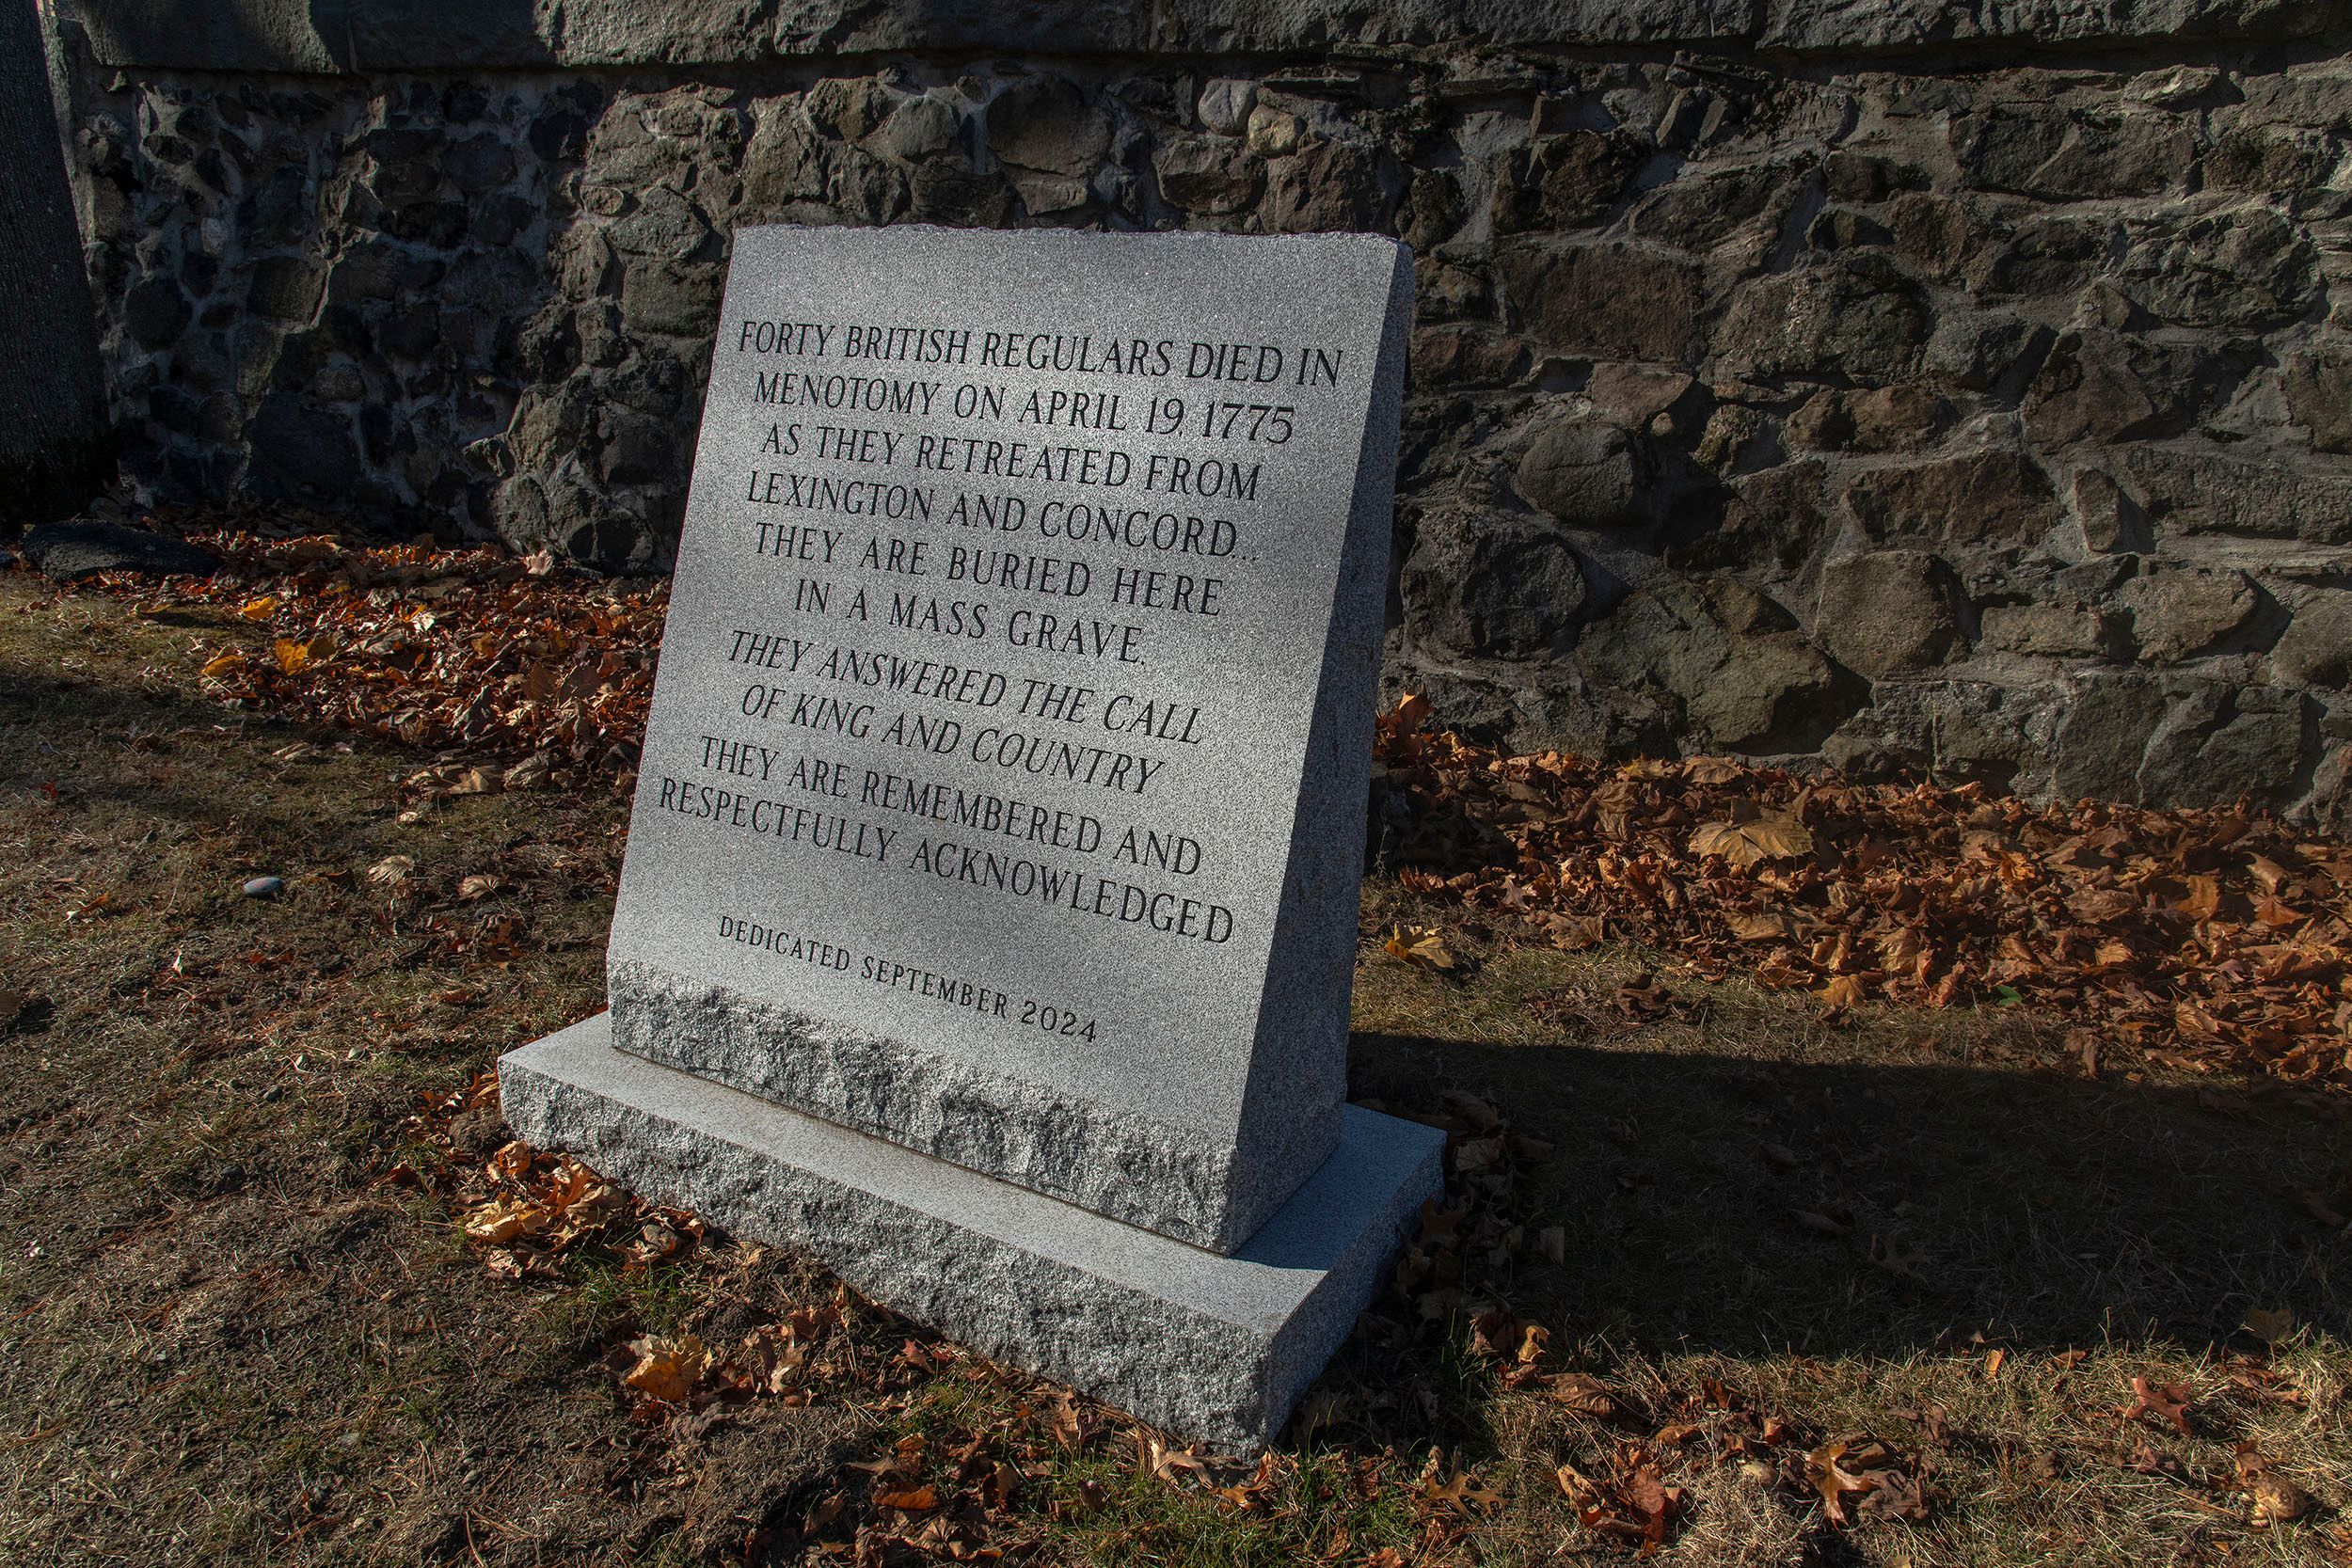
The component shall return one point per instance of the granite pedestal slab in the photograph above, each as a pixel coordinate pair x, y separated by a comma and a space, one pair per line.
1215, 1346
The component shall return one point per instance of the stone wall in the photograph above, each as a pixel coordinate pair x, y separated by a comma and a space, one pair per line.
1900, 383
55, 447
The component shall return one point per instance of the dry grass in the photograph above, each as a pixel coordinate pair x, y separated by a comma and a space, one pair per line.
1929, 1227
223, 1337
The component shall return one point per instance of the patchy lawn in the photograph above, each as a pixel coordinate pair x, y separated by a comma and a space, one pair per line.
1726, 1272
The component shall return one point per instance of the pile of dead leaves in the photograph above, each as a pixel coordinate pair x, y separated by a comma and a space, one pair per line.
982, 1493
469, 649
2210, 940
523, 1207
808, 1348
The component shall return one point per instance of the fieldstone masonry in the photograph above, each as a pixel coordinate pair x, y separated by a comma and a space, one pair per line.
1893, 382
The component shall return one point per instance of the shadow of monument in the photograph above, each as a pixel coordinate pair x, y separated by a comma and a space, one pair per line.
1744, 1206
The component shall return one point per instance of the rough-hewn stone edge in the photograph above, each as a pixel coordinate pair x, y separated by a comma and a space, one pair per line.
1214, 1347
314, 37
1178, 1180
1311, 971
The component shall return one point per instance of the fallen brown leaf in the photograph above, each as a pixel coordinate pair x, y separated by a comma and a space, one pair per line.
2169, 1401
1422, 945
668, 1370
1747, 844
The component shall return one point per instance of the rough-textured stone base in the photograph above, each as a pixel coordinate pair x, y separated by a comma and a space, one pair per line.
1173, 1180
1215, 1348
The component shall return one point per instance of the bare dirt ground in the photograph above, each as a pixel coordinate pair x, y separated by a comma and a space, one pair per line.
1728, 1277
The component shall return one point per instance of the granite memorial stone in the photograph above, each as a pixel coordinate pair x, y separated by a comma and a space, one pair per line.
990, 904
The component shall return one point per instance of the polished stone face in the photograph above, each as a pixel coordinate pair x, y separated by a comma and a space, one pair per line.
1003, 791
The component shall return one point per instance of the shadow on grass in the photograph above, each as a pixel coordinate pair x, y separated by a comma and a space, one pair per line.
1720, 1200
50, 723
1726, 1204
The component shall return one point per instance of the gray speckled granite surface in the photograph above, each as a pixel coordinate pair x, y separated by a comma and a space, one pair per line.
1212, 1347
786, 924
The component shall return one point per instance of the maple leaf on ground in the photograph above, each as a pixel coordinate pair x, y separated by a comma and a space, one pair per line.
2203, 899
667, 1369
1760, 925
1411, 711
1898, 1496
1844, 991
1643, 999
1477, 1110
1069, 1429
1634, 1504
1585, 1395
1651, 1499
2272, 912
655, 1240
295, 658
2269, 1324
2322, 1206
1002, 1481
766, 1362
1491, 1332
1248, 1494
1746, 843
504, 1220
1574, 933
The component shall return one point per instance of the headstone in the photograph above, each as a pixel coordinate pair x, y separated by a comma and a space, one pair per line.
989, 906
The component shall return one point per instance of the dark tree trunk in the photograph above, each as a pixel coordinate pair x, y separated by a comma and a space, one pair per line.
53, 448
